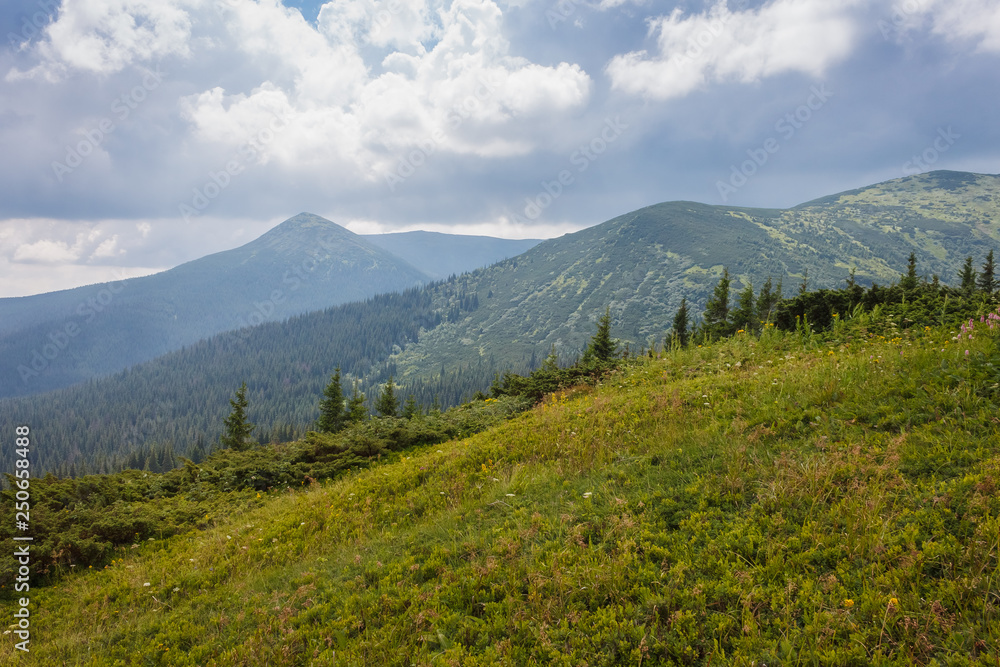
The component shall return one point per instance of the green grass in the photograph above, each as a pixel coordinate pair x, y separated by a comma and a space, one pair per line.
783, 500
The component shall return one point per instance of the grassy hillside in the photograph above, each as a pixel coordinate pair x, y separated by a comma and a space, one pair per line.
787, 499
643, 263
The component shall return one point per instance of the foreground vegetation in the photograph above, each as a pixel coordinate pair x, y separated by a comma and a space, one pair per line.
782, 498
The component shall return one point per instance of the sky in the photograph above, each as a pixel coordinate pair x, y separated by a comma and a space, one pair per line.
140, 134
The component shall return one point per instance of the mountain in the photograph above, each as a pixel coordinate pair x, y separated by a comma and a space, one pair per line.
305, 263
642, 263
441, 255
448, 339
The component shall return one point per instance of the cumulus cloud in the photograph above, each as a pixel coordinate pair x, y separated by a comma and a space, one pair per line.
745, 46
963, 21
47, 251
105, 36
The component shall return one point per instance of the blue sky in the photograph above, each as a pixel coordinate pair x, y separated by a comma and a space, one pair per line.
139, 134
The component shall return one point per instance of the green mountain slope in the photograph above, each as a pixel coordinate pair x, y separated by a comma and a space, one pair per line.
641, 264
441, 255
305, 263
448, 339
785, 499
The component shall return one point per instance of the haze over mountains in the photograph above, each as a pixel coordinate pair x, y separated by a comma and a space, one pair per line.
304, 264
446, 340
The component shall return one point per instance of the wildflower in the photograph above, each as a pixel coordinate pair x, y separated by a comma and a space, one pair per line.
510, 495
588, 494
966, 353
848, 602
893, 602
145, 585
176, 588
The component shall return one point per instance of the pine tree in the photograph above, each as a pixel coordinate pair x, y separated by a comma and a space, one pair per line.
601, 348
387, 404
766, 301
909, 281
238, 429
356, 411
987, 279
410, 409
967, 276
680, 326
804, 285
743, 315
717, 308
332, 415
551, 363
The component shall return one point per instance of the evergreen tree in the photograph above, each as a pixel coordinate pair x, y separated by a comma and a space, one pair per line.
601, 348
743, 315
356, 411
987, 279
410, 409
387, 404
332, 415
909, 281
551, 363
238, 429
967, 276
766, 301
717, 309
804, 285
680, 327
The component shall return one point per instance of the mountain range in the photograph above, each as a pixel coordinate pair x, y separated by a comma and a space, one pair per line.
446, 339
306, 263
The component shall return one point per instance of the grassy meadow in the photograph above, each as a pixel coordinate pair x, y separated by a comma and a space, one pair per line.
791, 498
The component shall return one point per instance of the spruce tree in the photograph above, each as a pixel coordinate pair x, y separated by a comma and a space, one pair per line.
743, 315
766, 301
717, 309
387, 404
804, 285
238, 429
909, 281
356, 411
410, 409
967, 276
332, 415
602, 348
680, 326
987, 279
551, 363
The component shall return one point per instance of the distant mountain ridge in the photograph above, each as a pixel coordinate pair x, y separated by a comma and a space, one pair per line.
305, 263
441, 255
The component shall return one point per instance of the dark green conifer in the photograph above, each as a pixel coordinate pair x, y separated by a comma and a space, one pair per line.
967, 276
238, 429
332, 415
356, 411
387, 404
987, 278
680, 327
601, 348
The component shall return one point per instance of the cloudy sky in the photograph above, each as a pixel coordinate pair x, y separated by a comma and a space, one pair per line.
139, 134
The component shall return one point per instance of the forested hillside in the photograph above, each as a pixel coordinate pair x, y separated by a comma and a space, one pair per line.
306, 263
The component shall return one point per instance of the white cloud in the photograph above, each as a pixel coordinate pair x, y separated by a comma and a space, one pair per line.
108, 248
720, 45
976, 21
105, 36
47, 251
